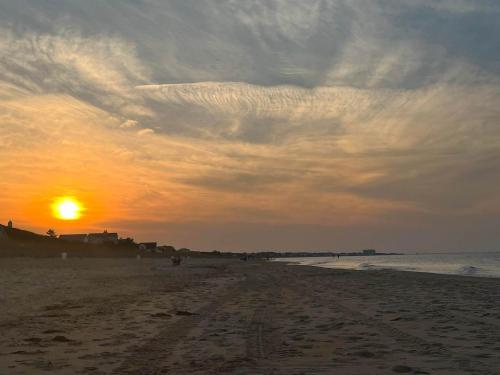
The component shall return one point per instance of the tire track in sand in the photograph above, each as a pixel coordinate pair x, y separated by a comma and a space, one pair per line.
149, 358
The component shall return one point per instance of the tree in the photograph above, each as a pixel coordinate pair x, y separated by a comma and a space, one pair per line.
51, 233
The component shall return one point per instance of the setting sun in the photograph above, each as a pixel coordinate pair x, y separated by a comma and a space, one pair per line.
67, 208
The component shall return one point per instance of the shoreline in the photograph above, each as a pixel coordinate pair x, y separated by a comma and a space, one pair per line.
124, 316
397, 271
482, 265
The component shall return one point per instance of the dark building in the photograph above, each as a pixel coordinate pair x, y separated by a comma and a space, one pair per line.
149, 246
81, 238
3, 233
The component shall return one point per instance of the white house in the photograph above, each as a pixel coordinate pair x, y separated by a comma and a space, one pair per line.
102, 238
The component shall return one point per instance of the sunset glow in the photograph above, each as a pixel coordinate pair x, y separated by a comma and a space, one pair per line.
337, 160
67, 208
248, 125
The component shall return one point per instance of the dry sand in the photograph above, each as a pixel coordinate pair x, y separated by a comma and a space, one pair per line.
127, 316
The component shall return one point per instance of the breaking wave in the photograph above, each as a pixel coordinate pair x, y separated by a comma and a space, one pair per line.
469, 271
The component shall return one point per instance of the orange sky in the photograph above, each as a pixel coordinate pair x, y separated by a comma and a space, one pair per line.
376, 136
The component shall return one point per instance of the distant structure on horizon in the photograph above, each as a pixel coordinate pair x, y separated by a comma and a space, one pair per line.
92, 238
3, 233
74, 237
149, 246
369, 252
9, 224
102, 238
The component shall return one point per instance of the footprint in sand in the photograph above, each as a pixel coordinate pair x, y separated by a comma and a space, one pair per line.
402, 369
61, 338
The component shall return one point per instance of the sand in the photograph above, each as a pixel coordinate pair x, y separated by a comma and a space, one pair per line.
127, 316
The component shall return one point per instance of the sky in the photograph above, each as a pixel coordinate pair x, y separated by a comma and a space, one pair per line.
255, 125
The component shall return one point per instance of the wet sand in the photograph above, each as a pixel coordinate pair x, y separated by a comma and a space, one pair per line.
127, 316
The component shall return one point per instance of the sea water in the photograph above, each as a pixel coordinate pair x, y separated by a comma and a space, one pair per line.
465, 264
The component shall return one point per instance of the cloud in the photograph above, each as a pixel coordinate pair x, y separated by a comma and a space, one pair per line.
275, 42
392, 119
101, 70
145, 131
455, 6
303, 118
129, 124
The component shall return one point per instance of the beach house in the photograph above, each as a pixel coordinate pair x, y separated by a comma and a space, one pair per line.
149, 246
102, 238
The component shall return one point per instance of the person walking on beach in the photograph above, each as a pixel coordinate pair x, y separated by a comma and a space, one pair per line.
176, 260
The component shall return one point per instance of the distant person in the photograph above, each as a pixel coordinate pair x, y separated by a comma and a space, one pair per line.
176, 260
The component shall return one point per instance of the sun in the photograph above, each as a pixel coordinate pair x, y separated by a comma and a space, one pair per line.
67, 208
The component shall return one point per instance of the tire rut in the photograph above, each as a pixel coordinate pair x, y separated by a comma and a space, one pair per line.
149, 358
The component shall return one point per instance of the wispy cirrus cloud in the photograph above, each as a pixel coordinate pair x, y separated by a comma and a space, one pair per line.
100, 70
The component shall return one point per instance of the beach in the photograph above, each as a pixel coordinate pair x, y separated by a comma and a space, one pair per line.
212, 316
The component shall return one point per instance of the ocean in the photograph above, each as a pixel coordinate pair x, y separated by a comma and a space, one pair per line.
465, 264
